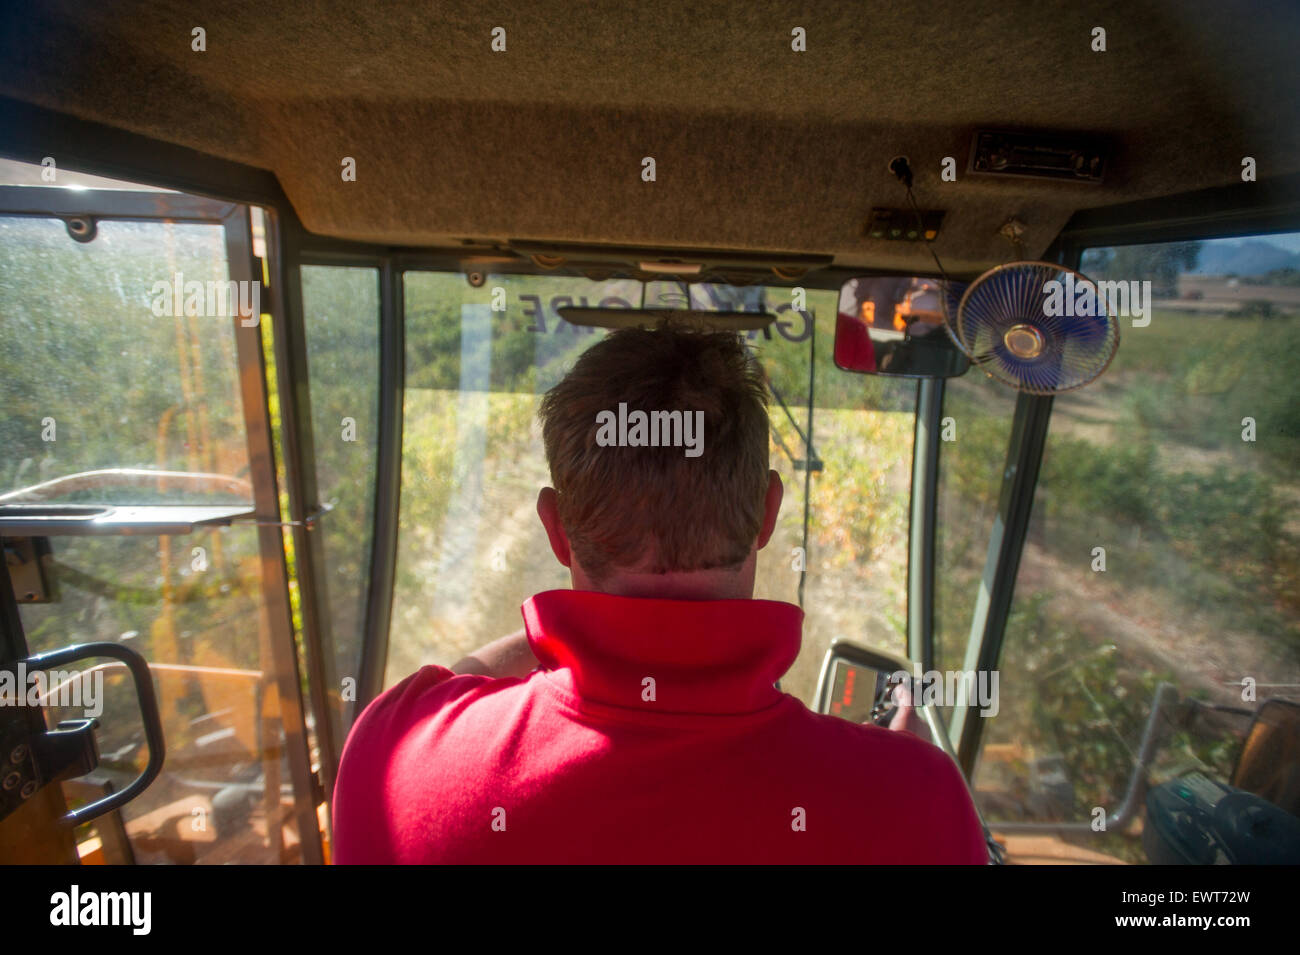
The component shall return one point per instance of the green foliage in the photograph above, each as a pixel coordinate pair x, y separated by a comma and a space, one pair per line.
82, 348
1084, 481
1257, 308
341, 320
1197, 376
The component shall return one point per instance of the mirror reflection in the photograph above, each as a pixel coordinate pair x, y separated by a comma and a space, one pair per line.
894, 325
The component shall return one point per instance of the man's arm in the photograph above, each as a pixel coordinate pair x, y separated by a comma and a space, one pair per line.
509, 656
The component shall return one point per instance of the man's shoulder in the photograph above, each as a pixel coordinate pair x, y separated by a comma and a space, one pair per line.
863, 749
913, 780
391, 718
421, 694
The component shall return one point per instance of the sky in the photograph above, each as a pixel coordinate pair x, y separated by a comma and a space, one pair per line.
1286, 240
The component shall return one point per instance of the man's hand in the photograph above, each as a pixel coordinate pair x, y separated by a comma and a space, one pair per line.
905, 717
508, 656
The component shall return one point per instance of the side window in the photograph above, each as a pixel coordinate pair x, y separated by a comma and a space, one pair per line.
341, 320
129, 382
1163, 547
974, 430
144, 383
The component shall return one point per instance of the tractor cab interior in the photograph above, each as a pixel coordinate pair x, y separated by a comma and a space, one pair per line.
281, 290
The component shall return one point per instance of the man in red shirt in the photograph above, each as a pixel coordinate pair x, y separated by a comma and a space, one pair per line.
635, 718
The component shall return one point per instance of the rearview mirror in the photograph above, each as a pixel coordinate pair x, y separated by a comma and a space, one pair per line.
894, 325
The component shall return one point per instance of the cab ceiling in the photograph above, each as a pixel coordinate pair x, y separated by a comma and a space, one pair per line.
756, 147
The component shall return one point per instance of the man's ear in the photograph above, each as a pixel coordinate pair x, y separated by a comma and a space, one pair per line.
771, 508
548, 509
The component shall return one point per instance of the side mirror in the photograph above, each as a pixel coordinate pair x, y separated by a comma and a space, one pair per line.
1269, 764
894, 325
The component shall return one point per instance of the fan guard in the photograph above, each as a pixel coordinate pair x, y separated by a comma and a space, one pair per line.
1002, 323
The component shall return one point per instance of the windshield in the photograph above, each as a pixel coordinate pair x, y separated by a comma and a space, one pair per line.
471, 548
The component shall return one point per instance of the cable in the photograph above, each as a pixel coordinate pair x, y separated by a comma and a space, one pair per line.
903, 173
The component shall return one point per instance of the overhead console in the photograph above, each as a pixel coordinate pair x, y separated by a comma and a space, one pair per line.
1074, 157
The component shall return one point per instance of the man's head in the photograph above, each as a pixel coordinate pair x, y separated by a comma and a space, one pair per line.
678, 507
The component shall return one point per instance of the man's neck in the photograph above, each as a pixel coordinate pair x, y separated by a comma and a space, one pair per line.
689, 585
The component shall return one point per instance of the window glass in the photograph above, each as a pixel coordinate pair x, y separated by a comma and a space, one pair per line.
341, 317
192, 605
1163, 549
471, 548
975, 429
102, 374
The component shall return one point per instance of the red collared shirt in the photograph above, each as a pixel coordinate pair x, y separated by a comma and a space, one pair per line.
651, 733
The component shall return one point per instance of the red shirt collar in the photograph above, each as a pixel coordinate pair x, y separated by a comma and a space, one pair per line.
705, 656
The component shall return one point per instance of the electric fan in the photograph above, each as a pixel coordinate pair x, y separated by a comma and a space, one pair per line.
1037, 326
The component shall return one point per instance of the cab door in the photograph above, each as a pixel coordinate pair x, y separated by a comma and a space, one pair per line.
140, 513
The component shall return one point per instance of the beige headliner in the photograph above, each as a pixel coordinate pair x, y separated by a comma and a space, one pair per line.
757, 147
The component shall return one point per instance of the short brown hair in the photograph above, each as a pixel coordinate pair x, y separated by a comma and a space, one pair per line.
654, 509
